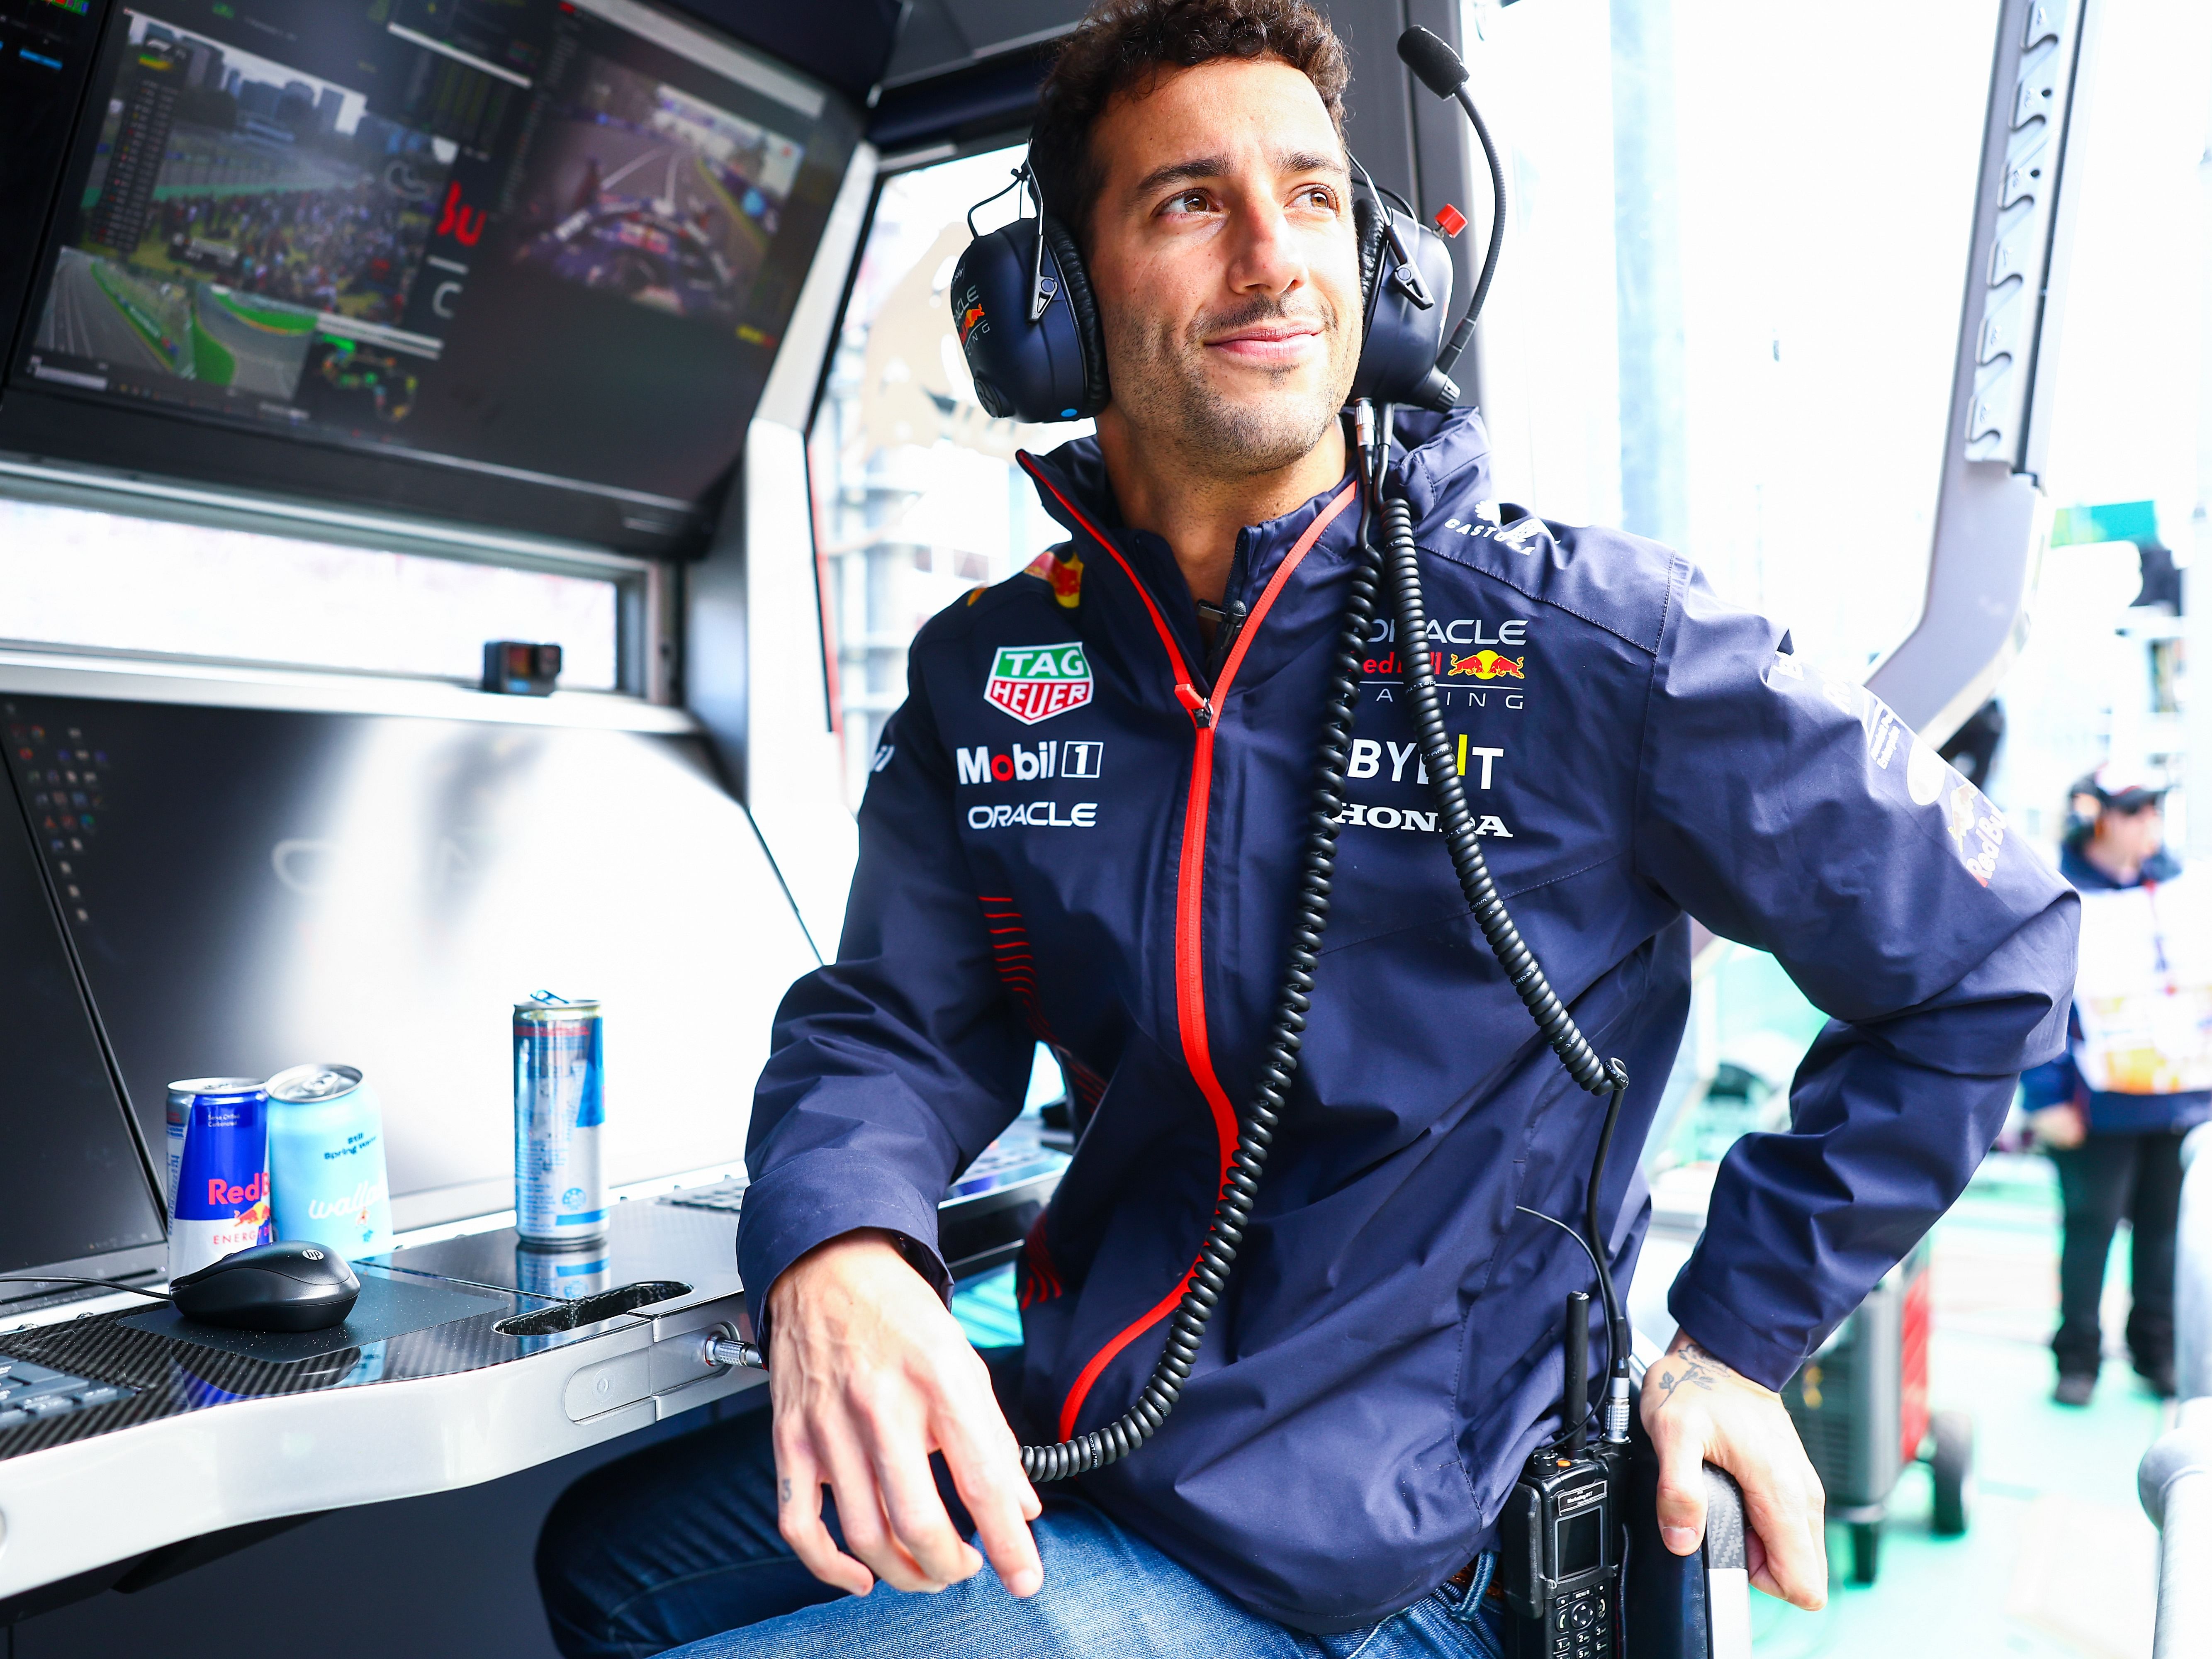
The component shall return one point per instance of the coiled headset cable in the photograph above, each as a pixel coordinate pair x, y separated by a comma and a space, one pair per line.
1462, 837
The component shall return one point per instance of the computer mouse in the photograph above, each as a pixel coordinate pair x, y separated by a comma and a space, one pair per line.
290, 1285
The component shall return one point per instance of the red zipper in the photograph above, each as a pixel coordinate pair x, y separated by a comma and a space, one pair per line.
1190, 878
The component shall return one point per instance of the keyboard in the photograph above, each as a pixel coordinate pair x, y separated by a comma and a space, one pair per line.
31, 1394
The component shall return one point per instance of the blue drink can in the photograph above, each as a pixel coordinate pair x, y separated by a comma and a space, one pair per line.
560, 1109
180, 1118
326, 1160
221, 1203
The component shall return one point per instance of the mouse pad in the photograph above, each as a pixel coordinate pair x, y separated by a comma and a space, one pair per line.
387, 1307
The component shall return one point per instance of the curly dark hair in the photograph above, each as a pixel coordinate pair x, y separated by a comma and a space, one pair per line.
1121, 44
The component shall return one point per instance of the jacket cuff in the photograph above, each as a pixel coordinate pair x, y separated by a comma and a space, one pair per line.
813, 1198
1766, 1359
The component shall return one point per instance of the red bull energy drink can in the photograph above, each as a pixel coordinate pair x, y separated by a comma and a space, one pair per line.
180, 1117
219, 1203
560, 1109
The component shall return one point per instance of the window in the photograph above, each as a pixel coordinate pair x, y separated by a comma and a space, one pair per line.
1728, 306
917, 496
72, 576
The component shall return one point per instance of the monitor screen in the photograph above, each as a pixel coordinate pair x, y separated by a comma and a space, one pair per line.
250, 889
547, 243
46, 48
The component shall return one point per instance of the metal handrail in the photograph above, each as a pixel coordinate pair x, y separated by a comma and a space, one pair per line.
2174, 1480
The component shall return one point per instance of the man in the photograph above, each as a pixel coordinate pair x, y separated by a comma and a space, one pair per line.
2112, 1109
1387, 1350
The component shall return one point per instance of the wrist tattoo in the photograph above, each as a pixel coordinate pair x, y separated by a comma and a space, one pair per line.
784, 1494
1696, 1369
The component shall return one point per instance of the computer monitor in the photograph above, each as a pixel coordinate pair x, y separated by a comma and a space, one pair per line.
252, 887
522, 261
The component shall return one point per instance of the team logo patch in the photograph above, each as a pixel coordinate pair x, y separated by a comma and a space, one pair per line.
1062, 569
967, 313
1396, 818
1976, 829
1523, 536
1488, 666
1033, 682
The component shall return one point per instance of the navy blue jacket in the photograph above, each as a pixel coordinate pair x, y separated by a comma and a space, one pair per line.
1056, 846
2060, 1080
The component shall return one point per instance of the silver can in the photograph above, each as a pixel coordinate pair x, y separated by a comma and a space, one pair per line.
560, 1110
562, 1275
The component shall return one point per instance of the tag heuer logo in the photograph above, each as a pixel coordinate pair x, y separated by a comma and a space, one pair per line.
1033, 682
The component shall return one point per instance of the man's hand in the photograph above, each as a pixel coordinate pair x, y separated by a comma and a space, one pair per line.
2059, 1125
870, 1374
1697, 1411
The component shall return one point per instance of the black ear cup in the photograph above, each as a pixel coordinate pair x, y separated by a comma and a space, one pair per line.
1406, 278
1367, 224
1075, 283
1053, 369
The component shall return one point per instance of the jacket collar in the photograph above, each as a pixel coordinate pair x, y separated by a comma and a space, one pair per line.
1442, 461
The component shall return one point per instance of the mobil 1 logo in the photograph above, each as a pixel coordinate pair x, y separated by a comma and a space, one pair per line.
1025, 763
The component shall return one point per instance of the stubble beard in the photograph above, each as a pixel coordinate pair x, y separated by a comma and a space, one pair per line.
1166, 395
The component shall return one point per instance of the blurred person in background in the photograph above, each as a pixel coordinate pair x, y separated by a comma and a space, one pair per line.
2136, 1075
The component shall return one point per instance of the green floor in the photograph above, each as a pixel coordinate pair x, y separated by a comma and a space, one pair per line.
2058, 1562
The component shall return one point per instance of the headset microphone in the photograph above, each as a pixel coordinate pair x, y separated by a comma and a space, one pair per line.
1438, 66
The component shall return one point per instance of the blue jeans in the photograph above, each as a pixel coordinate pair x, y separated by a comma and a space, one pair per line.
678, 1545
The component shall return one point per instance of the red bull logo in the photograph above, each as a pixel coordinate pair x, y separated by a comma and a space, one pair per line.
1062, 569
1488, 666
969, 319
1976, 829
223, 1194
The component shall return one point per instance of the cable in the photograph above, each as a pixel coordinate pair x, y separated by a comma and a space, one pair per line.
1597, 1271
1581, 1243
1497, 207
1462, 839
65, 1279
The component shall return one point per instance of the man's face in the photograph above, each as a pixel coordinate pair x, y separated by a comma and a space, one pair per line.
1224, 265
2132, 837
